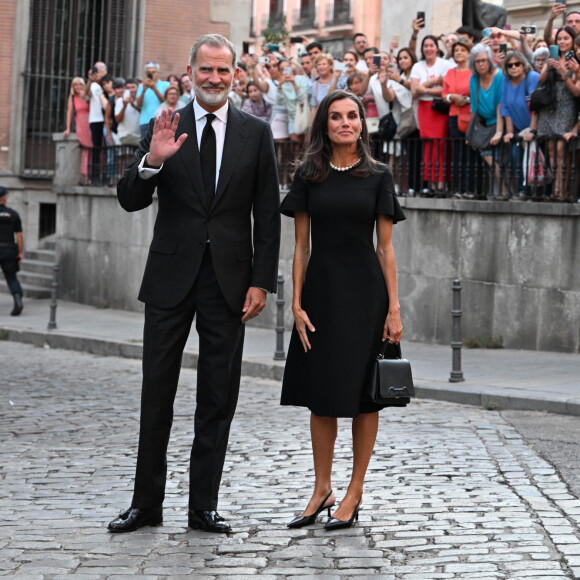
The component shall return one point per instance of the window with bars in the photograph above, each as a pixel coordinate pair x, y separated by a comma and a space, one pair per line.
66, 37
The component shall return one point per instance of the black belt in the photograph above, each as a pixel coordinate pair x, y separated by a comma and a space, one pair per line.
12, 245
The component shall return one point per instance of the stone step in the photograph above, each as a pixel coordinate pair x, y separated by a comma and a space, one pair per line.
29, 291
38, 266
35, 279
41, 255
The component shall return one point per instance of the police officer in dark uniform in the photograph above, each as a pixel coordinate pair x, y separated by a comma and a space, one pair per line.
11, 249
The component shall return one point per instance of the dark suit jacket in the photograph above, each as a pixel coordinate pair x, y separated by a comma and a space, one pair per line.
242, 255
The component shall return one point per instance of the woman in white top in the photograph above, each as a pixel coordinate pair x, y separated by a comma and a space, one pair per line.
426, 85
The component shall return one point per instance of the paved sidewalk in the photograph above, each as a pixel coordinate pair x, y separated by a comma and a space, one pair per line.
453, 492
508, 379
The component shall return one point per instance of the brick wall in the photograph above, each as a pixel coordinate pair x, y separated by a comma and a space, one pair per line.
170, 33
6, 51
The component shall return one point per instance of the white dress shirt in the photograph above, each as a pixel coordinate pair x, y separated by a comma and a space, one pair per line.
219, 126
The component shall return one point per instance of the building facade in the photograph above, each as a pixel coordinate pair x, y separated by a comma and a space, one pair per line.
331, 22
44, 44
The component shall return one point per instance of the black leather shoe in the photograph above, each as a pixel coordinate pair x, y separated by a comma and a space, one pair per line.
208, 521
135, 518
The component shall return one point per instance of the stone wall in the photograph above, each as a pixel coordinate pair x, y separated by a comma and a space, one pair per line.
519, 264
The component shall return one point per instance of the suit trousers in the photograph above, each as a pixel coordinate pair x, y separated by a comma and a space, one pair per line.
221, 339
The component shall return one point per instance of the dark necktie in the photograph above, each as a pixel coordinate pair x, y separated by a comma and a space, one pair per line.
207, 154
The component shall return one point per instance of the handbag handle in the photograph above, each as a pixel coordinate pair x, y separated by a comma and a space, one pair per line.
390, 350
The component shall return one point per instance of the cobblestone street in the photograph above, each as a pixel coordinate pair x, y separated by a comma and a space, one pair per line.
452, 491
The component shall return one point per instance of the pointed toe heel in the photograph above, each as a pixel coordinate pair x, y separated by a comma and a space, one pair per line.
301, 521
336, 524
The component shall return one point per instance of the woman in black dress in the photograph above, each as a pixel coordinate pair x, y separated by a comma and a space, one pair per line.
345, 292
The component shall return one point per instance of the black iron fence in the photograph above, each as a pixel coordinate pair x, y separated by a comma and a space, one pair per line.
541, 170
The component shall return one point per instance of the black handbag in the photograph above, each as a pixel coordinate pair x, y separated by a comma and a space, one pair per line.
441, 106
387, 127
390, 380
543, 95
478, 134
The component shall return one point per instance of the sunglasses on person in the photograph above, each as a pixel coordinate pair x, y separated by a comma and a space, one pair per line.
513, 64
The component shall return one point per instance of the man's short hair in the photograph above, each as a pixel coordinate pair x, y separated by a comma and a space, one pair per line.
152, 65
131, 81
118, 82
357, 35
3, 191
373, 48
215, 41
314, 44
572, 12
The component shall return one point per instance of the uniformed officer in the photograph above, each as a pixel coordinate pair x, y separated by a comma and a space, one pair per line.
11, 249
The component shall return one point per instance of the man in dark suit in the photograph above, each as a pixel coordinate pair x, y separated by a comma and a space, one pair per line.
214, 168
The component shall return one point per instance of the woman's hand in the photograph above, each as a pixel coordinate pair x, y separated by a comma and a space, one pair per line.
528, 135
552, 63
573, 65
418, 24
570, 135
508, 137
459, 100
394, 74
393, 328
303, 324
495, 139
66, 133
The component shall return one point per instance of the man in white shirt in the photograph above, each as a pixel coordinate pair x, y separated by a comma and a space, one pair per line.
127, 115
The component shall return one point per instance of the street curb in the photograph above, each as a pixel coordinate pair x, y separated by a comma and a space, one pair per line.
474, 395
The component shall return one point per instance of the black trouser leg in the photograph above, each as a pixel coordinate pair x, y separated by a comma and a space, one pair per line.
97, 139
164, 339
221, 340
9, 264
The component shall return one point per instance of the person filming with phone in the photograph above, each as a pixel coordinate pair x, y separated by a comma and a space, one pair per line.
150, 95
292, 93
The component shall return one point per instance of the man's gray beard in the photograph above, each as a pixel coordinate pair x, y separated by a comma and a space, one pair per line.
211, 99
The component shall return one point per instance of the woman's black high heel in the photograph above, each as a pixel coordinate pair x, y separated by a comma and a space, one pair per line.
301, 521
336, 524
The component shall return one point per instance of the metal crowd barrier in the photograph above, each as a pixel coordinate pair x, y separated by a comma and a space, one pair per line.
541, 170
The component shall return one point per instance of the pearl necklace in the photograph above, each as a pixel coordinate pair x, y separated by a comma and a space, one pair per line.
344, 168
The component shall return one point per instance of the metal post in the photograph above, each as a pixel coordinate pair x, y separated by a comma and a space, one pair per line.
456, 343
52, 320
280, 354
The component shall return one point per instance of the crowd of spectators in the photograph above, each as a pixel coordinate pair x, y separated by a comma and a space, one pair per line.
422, 102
